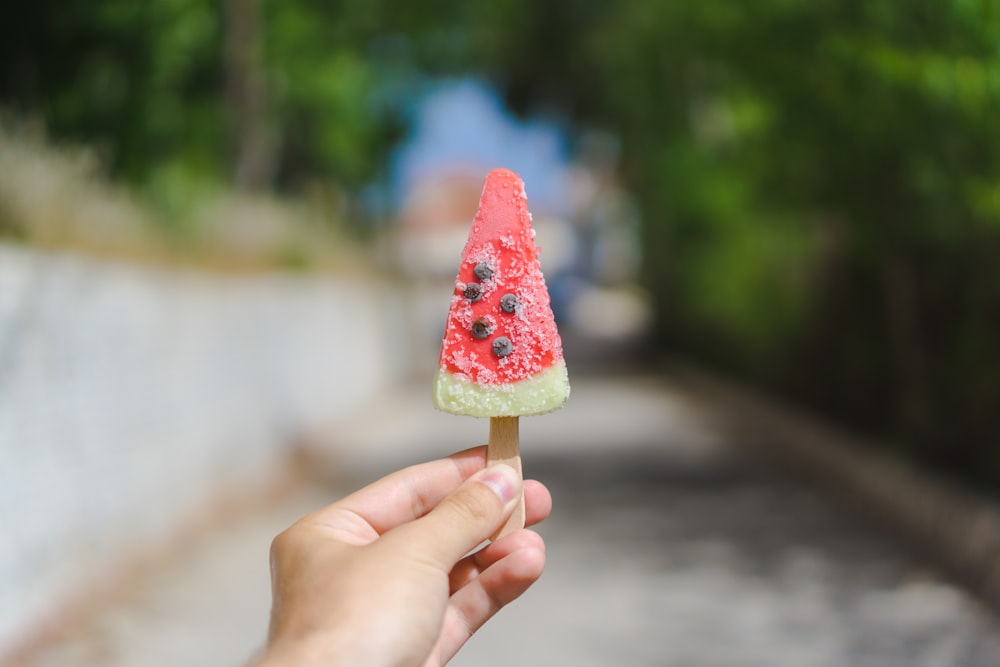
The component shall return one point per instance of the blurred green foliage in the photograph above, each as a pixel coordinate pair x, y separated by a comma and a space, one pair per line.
819, 185
820, 182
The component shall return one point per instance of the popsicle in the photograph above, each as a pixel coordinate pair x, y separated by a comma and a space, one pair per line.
501, 355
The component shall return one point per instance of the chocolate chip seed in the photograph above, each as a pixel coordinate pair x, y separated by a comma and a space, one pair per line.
483, 271
481, 328
473, 292
502, 346
508, 303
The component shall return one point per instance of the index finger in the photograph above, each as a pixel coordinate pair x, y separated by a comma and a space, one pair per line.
409, 493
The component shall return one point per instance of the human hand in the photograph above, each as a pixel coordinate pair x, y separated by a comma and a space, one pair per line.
382, 577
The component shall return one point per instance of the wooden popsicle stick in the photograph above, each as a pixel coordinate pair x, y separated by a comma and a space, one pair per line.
503, 447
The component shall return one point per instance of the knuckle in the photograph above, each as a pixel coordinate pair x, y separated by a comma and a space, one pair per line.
285, 544
279, 546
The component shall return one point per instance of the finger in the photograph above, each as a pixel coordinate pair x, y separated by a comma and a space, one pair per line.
462, 520
471, 566
505, 546
405, 495
477, 602
537, 502
538, 505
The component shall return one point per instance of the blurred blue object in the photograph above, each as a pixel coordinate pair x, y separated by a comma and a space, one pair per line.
462, 126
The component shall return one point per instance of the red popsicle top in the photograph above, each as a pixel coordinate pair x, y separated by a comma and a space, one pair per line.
500, 327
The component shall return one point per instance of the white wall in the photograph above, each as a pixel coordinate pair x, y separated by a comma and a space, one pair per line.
129, 396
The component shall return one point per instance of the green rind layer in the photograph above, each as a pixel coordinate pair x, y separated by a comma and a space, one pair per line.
536, 395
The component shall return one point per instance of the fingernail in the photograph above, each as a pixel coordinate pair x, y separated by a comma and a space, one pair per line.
501, 479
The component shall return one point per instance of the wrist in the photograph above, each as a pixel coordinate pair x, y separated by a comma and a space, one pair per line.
297, 652
324, 650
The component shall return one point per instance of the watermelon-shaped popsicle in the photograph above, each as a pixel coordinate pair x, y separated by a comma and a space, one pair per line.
501, 355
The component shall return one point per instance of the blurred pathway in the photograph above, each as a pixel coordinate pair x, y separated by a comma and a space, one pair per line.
667, 547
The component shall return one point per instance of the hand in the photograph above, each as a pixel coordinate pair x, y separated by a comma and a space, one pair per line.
382, 577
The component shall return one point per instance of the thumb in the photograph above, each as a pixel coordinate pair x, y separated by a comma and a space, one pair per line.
460, 522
